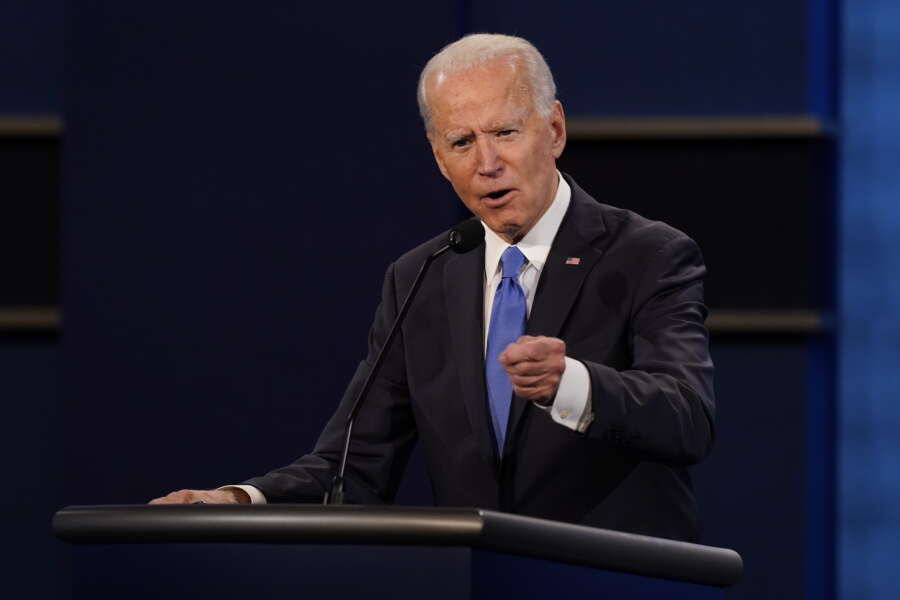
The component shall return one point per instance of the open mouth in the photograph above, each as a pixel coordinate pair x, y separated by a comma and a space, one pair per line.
498, 194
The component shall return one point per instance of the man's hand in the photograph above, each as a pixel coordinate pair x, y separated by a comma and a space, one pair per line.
226, 496
535, 366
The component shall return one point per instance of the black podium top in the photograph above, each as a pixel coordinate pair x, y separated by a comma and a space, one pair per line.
476, 528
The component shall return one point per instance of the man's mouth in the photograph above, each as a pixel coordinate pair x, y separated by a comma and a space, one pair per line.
497, 195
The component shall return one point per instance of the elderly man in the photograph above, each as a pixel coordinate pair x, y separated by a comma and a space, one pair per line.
562, 369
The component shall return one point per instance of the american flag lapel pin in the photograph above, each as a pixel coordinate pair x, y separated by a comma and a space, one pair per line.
573, 260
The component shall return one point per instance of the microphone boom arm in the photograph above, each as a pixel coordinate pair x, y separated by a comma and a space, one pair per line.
336, 495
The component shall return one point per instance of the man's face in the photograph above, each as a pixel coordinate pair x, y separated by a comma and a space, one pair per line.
497, 151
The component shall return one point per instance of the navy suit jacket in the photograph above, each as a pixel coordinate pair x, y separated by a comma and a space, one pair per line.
631, 310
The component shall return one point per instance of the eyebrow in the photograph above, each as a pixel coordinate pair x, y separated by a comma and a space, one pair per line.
456, 137
499, 126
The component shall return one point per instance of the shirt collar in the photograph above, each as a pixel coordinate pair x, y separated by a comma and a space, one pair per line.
536, 243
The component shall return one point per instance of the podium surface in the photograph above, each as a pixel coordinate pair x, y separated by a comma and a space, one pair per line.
374, 552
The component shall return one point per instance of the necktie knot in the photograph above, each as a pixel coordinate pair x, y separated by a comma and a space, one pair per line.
511, 261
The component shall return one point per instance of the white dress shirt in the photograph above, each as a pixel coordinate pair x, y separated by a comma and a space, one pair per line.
572, 406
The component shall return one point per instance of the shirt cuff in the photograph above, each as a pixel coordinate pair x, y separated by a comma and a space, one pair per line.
256, 496
572, 406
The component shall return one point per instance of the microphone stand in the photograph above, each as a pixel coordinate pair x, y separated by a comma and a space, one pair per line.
336, 495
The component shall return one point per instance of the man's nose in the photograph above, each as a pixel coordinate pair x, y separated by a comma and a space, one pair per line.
489, 162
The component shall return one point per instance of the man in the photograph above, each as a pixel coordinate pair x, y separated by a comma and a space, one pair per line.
562, 369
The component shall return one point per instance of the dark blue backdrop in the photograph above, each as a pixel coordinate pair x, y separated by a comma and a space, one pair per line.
238, 183
236, 179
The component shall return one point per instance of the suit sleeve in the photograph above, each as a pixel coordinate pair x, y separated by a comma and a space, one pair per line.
383, 435
663, 405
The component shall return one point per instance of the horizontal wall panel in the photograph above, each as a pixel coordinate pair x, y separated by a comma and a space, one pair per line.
30, 126
768, 322
699, 127
23, 319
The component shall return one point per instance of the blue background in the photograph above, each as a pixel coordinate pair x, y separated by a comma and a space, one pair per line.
231, 172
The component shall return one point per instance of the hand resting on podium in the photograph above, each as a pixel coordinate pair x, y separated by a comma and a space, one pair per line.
229, 495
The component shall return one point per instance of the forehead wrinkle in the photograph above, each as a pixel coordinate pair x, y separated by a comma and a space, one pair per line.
507, 121
460, 112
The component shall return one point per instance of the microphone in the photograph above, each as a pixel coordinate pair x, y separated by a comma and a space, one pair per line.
466, 236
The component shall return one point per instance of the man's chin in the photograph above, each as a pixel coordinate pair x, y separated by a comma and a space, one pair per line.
510, 233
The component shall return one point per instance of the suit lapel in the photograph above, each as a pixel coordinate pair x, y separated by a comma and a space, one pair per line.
561, 279
464, 290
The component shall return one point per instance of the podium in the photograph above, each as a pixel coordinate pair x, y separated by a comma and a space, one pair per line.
309, 551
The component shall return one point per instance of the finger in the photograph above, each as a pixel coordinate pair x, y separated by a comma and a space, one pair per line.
540, 389
226, 496
179, 497
550, 365
527, 381
541, 394
164, 500
529, 348
521, 352
535, 386
216, 497
536, 369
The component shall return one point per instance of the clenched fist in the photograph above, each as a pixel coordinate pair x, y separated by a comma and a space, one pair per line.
226, 496
535, 366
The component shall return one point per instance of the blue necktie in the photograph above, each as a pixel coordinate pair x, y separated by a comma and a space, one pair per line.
507, 325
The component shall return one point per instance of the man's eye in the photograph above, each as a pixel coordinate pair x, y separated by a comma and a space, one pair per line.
460, 143
505, 132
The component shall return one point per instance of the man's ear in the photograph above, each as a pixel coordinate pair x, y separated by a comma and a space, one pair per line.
558, 128
437, 158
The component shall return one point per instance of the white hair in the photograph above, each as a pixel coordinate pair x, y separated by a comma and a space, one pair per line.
478, 49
